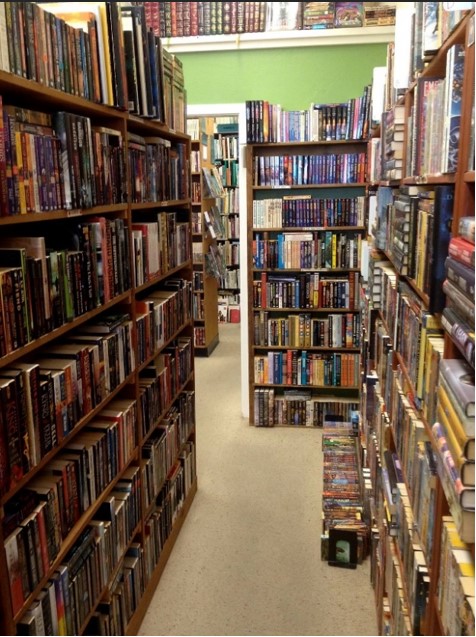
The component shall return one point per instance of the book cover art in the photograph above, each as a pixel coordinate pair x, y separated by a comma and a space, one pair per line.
454, 78
349, 14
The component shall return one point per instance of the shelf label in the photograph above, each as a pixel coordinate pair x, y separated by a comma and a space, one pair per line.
73, 213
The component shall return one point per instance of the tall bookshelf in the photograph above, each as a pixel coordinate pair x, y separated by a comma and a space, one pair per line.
97, 430
205, 293
226, 158
306, 211
422, 474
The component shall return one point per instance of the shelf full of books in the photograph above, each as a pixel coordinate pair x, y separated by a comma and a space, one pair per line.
418, 398
97, 418
207, 265
226, 159
306, 203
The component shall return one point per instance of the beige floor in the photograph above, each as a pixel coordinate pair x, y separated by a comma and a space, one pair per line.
247, 561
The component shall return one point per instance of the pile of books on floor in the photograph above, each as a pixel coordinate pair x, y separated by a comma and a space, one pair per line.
345, 534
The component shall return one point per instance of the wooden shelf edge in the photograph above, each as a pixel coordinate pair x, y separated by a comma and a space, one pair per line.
469, 177
55, 215
137, 618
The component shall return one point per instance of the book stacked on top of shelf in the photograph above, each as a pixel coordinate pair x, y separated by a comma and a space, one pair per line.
458, 315
266, 122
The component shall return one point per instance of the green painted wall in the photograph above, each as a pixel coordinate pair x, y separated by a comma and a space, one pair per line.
292, 77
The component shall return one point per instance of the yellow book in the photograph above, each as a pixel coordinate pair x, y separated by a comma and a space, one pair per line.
430, 324
453, 444
21, 176
466, 443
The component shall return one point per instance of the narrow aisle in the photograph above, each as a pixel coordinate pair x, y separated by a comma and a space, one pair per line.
247, 560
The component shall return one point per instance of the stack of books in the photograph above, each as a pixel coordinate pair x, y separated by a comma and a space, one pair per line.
458, 315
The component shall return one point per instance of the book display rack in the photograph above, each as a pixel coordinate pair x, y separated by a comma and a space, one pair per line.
97, 419
306, 203
418, 398
204, 211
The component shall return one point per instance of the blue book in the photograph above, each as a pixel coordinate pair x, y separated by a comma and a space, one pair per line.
443, 215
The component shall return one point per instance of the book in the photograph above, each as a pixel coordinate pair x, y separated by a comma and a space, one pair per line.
462, 250
460, 378
466, 227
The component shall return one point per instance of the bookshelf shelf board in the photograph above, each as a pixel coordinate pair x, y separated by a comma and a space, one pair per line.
326, 142
310, 348
388, 182
422, 295
60, 331
280, 39
326, 387
197, 235
313, 310
45, 97
154, 127
56, 215
469, 177
66, 440
136, 620
147, 205
430, 180
195, 173
310, 229
150, 358
311, 186
436, 67
161, 277
329, 270
74, 534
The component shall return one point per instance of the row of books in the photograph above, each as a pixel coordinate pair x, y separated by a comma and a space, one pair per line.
437, 108
159, 246
297, 407
228, 171
302, 330
214, 18
308, 290
105, 558
299, 367
308, 250
231, 227
305, 211
199, 336
48, 281
266, 122
57, 161
307, 170
101, 51
158, 168
62, 492
230, 253
126, 590
160, 315
164, 446
231, 281
43, 401
413, 229
161, 392
229, 304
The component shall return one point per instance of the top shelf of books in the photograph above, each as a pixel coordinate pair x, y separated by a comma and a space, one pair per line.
279, 39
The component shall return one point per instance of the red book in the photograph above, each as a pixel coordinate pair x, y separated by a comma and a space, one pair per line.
462, 250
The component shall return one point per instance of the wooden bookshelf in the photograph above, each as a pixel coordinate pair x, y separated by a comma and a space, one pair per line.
206, 287
263, 232
108, 377
407, 351
226, 159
